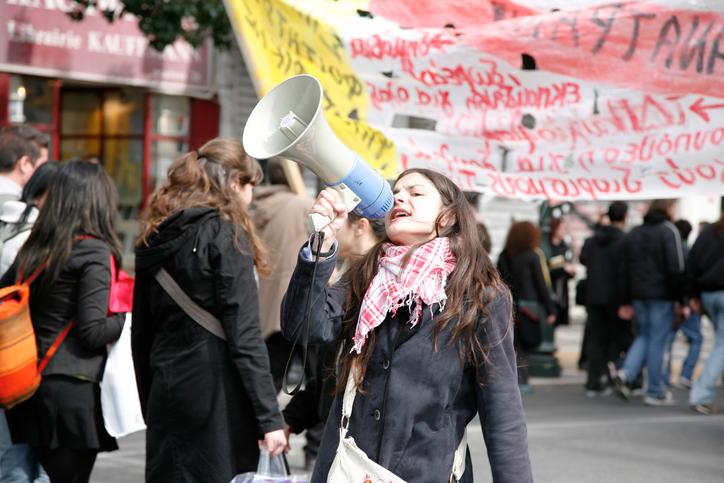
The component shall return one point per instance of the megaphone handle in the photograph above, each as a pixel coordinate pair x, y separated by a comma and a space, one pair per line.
316, 222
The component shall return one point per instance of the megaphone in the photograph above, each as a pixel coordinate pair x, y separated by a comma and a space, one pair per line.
289, 122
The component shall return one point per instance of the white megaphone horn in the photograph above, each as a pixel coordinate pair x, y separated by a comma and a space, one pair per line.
289, 122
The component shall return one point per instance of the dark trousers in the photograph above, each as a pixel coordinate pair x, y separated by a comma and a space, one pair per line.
608, 339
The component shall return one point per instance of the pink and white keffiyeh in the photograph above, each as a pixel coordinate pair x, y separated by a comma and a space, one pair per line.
422, 281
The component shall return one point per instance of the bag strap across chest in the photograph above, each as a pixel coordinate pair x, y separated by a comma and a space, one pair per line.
350, 391
197, 313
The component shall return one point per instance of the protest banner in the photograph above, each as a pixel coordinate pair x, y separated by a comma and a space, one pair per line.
597, 101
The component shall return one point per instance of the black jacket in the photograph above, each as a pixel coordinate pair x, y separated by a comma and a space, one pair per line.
602, 256
524, 275
417, 400
79, 294
654, 261
706, 261
206, 401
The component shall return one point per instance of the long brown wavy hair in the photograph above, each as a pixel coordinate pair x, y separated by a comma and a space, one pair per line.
204, 178
522, 236
471, 286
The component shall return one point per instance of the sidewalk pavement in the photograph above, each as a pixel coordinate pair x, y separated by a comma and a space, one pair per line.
572, 438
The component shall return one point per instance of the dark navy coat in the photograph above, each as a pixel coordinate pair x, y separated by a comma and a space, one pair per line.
417, 401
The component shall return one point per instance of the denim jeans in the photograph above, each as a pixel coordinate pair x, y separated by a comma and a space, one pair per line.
704, 388
691, 328
18, 463
653, 319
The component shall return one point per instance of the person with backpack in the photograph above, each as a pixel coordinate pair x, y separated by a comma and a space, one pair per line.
202, 368
69, 254
17, 217
427, 335
22, 150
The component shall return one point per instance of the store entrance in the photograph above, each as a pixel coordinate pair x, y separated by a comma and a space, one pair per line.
106, 125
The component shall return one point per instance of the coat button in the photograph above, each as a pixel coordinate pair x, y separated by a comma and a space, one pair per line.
386, 364
377, 415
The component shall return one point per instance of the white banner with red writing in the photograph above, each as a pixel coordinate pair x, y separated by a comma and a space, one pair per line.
592, 101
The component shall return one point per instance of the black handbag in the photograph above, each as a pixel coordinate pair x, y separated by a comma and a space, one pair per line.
581, 292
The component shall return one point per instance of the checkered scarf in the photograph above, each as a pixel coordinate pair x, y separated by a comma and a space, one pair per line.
422, 281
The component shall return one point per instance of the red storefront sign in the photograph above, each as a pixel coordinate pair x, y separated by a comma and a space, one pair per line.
38, 38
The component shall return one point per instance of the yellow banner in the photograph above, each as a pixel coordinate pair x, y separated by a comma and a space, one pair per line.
281, 41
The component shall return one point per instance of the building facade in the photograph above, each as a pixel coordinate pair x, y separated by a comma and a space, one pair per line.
103, 94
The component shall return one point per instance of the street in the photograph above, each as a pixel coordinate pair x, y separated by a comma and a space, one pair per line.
572, 438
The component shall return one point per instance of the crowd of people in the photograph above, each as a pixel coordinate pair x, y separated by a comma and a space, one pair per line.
639, 290
408, 317
642, 288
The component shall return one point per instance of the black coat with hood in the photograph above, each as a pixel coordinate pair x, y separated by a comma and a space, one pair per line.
654, 261
206, 401
706, 260
602, 256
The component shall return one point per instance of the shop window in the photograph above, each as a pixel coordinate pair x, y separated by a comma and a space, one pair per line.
107, 126
123, 112
170, 134
30, 100
164, 153
81, 114
171, 116
87, 149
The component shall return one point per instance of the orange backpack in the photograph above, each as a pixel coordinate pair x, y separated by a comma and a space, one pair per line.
19, 368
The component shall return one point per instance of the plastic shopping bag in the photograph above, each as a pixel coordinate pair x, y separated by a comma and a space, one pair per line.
119, 393
271, 469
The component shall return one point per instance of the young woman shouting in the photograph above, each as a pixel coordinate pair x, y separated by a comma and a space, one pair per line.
426, 332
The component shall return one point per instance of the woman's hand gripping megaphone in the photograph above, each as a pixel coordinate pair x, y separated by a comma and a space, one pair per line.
329, 206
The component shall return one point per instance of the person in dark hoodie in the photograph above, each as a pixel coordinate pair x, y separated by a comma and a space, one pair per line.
653, 281
207, 397
706, 273
608, 335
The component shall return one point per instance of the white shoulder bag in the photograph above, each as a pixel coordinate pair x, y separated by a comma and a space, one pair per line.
119, 393
351, 464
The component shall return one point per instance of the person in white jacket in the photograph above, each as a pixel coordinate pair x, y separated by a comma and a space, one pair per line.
17, 217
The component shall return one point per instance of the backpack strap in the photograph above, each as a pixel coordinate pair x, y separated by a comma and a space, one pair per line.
32, 276
54, 348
